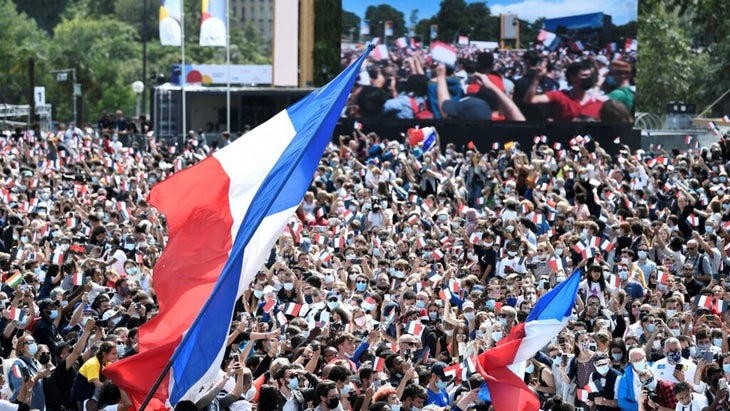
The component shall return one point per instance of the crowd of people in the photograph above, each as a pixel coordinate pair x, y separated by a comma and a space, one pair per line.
402, 264
537, 84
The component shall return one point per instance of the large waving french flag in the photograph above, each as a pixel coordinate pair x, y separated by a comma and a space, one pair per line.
507, 390
223, 216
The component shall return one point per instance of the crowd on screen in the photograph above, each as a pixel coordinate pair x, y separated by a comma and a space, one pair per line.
538, 84
404, 261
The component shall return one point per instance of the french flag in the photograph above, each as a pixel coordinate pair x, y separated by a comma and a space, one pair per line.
251, 191
507, 389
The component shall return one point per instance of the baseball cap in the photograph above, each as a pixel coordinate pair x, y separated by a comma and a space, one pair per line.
47, 303
468, 108
438, 369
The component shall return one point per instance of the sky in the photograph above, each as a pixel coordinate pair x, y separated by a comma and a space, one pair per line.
622, 11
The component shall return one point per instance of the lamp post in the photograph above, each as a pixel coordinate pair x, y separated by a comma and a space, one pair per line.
62, 76
138, 88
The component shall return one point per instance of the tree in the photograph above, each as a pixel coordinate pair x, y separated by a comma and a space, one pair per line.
132, 13
106, 54
677, 71
480, 25
413, 18
327, 29
22, 39
46, 13
381, 13
350, 25
452, 19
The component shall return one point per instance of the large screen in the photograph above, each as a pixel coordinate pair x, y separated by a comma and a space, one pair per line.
528, 60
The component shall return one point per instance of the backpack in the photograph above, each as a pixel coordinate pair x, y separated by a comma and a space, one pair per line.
420, 111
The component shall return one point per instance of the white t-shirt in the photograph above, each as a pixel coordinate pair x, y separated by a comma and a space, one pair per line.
699, 401
664, 371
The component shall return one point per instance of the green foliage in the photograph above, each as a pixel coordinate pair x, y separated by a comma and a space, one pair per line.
22, 39
381, 13
350, 25
451, 18
327, 30
668, 67
46, 13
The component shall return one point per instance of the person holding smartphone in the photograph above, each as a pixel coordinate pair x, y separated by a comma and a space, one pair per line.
26, 367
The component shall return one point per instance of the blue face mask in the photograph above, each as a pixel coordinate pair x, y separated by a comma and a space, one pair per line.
490, 305
512, 301
432, 315
361, 287
53, 314
258, 293
674, 357
441, 385
420, 304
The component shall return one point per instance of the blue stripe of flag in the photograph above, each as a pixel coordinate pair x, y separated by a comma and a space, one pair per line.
314, 118
558, 302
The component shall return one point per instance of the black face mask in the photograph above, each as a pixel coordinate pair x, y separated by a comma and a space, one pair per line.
685, 353
44, 358
332, 403
586, 83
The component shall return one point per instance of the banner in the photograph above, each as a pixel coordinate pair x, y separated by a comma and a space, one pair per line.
213, 30
364, 27
171, 23
434, 31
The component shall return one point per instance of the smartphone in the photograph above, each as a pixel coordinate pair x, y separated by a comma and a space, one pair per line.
679, 367
356, 260
706, 355
24, 373
722, 384
561, 340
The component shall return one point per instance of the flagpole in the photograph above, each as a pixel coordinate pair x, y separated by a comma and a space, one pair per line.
182, 69
228, 67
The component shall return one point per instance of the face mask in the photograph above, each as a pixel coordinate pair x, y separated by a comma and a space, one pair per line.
674, 357
717, 342
726, 368
129, 246
53, 314
676, 332
709, 229
441, 385
624, 275
584, 346
603, 370
333, 304
333, 403
449, 332
497, 336
651, 386
65, 246
490, 305
293, 383
433, 315
44, 358
586, 83
617, 356
395, 407
360, 321
530, 368
24, 239
657, 345
642, 254
512, 253
661, 287
32, 349
346, 389
258, 294
361, 287
686, 353
639, 366
415, 408
288, 286
670, 313
420, 304
558, 252
485, 245
503, 321
469, 316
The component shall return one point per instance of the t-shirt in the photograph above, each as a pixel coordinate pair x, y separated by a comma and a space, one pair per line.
625, 96
565, 108
91, 369
437, 398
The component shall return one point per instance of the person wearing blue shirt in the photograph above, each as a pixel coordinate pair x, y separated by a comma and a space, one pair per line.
436, 387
